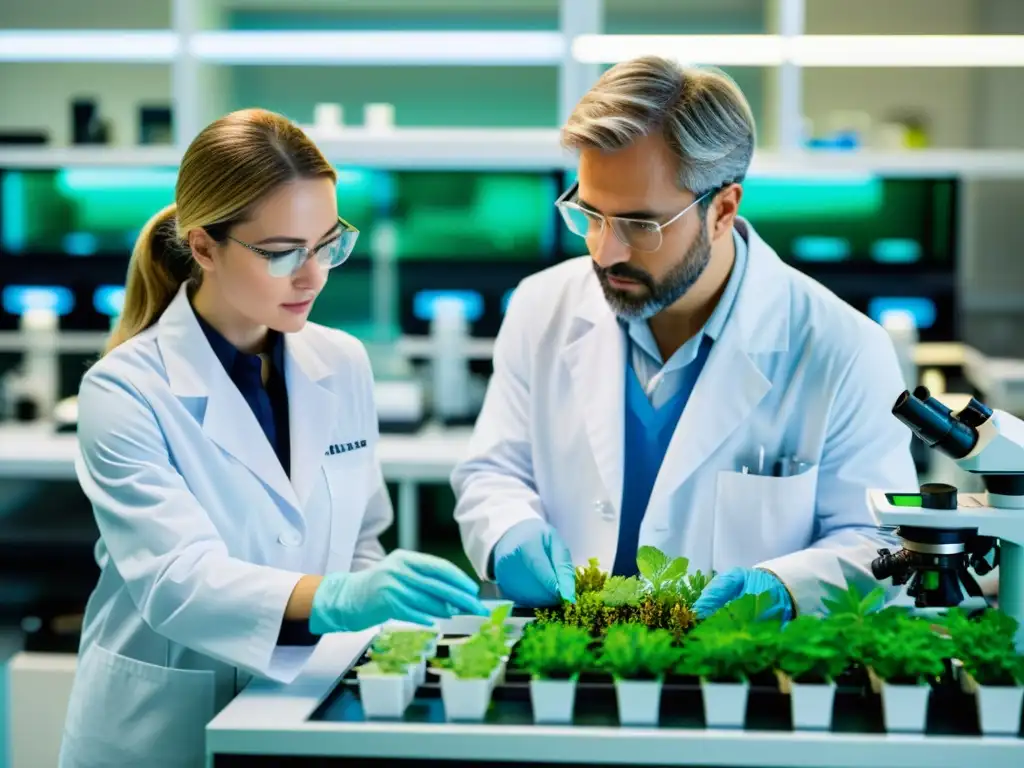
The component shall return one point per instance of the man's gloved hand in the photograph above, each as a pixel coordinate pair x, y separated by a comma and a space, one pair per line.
405, 586
533, 567
737, 582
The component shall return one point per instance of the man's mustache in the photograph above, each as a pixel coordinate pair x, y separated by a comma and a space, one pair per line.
626, 272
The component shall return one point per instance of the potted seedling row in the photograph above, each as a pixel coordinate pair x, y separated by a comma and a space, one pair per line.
468, 674
554, 655
638, 659
396, 668
725, 651
990, 668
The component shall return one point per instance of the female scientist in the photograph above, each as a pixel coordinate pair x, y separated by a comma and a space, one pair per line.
228, 450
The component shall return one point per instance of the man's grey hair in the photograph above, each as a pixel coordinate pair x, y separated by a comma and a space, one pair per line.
702, 113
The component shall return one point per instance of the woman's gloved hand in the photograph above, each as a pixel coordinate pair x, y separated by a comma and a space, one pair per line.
404, 586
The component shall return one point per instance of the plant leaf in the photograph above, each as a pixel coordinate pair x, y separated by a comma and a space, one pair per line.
675, 570
651, 562
619, 590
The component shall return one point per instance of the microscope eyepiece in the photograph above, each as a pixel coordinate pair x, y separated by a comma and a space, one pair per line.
934, 423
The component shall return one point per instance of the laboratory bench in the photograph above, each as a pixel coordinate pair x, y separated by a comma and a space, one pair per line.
318, 721
38, 452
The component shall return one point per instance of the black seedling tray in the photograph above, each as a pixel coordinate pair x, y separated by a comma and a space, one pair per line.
856, 708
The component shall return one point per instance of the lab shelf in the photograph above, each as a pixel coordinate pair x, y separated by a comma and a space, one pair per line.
323, 723
535, 149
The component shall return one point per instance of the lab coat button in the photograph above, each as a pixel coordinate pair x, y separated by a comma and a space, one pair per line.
290, 539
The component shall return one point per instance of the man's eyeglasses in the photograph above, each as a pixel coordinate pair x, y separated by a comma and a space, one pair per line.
638, 234
328, 254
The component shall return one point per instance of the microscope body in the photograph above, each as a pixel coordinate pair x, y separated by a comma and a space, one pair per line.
944, 532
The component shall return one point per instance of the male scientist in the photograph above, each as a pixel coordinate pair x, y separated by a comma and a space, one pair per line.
682, 387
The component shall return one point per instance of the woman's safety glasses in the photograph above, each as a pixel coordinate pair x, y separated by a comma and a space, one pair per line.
328, 254
638, 234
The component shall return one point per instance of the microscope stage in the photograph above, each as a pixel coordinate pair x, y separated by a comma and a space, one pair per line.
893, 509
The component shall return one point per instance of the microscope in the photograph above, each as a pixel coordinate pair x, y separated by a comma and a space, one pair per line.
944, 532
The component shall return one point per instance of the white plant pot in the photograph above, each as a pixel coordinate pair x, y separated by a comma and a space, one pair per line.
999, 706
465, 699
639, 701
420, 673
384, 696
553, 701
905, 707
725, 704
812, 705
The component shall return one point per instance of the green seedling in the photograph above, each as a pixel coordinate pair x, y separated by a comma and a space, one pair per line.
811, 649
985, 646
901, 648
634, 652
475, 660
387, 663
850, 603
554, 651
408, 641
495, 631
735, 643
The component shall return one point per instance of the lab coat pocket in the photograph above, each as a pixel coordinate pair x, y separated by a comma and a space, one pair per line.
349, 484
127, 712
758, 517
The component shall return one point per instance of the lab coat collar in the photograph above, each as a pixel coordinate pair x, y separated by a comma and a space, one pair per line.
197, 377
729, 388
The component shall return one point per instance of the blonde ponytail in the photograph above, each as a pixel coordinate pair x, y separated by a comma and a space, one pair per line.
160, 263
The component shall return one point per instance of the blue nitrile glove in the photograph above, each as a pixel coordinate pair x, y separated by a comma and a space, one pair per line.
533, 567
737, 582
405, 586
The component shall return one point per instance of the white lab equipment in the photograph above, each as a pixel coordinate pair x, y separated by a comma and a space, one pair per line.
328, 118
795, 369
379, 118
40, 327
450, 374
942, 532
203, 535
902, 329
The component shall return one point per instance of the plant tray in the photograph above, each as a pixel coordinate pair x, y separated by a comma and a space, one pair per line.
857, 709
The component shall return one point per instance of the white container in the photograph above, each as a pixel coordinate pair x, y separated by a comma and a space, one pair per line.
420, 673
465, 699
725, 704
553, 701
450, 383
999, 706
384, 696
639, 701
812, 705
905, 707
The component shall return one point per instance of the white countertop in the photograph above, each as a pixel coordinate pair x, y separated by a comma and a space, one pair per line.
35, 451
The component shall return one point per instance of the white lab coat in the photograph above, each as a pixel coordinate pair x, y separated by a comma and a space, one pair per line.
795, 370
203, 536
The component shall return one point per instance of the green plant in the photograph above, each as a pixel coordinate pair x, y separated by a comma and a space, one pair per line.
387, 663
985, 646
632, 651
661, 597
495, 631
901, 648
406, 641
812, 649
554, 651
734, 643
849, 603
476, 659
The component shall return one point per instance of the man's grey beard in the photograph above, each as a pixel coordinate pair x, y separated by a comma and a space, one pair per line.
658, 295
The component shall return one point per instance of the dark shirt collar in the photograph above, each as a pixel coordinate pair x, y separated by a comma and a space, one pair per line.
236, 361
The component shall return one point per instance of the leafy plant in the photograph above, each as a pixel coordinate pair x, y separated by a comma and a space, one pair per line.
661, 597
903, 648
391, 662
985, 646
812, 649
850, 602
734, 643
475, 660
554, 651
632, 651
412, 642
495, 631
